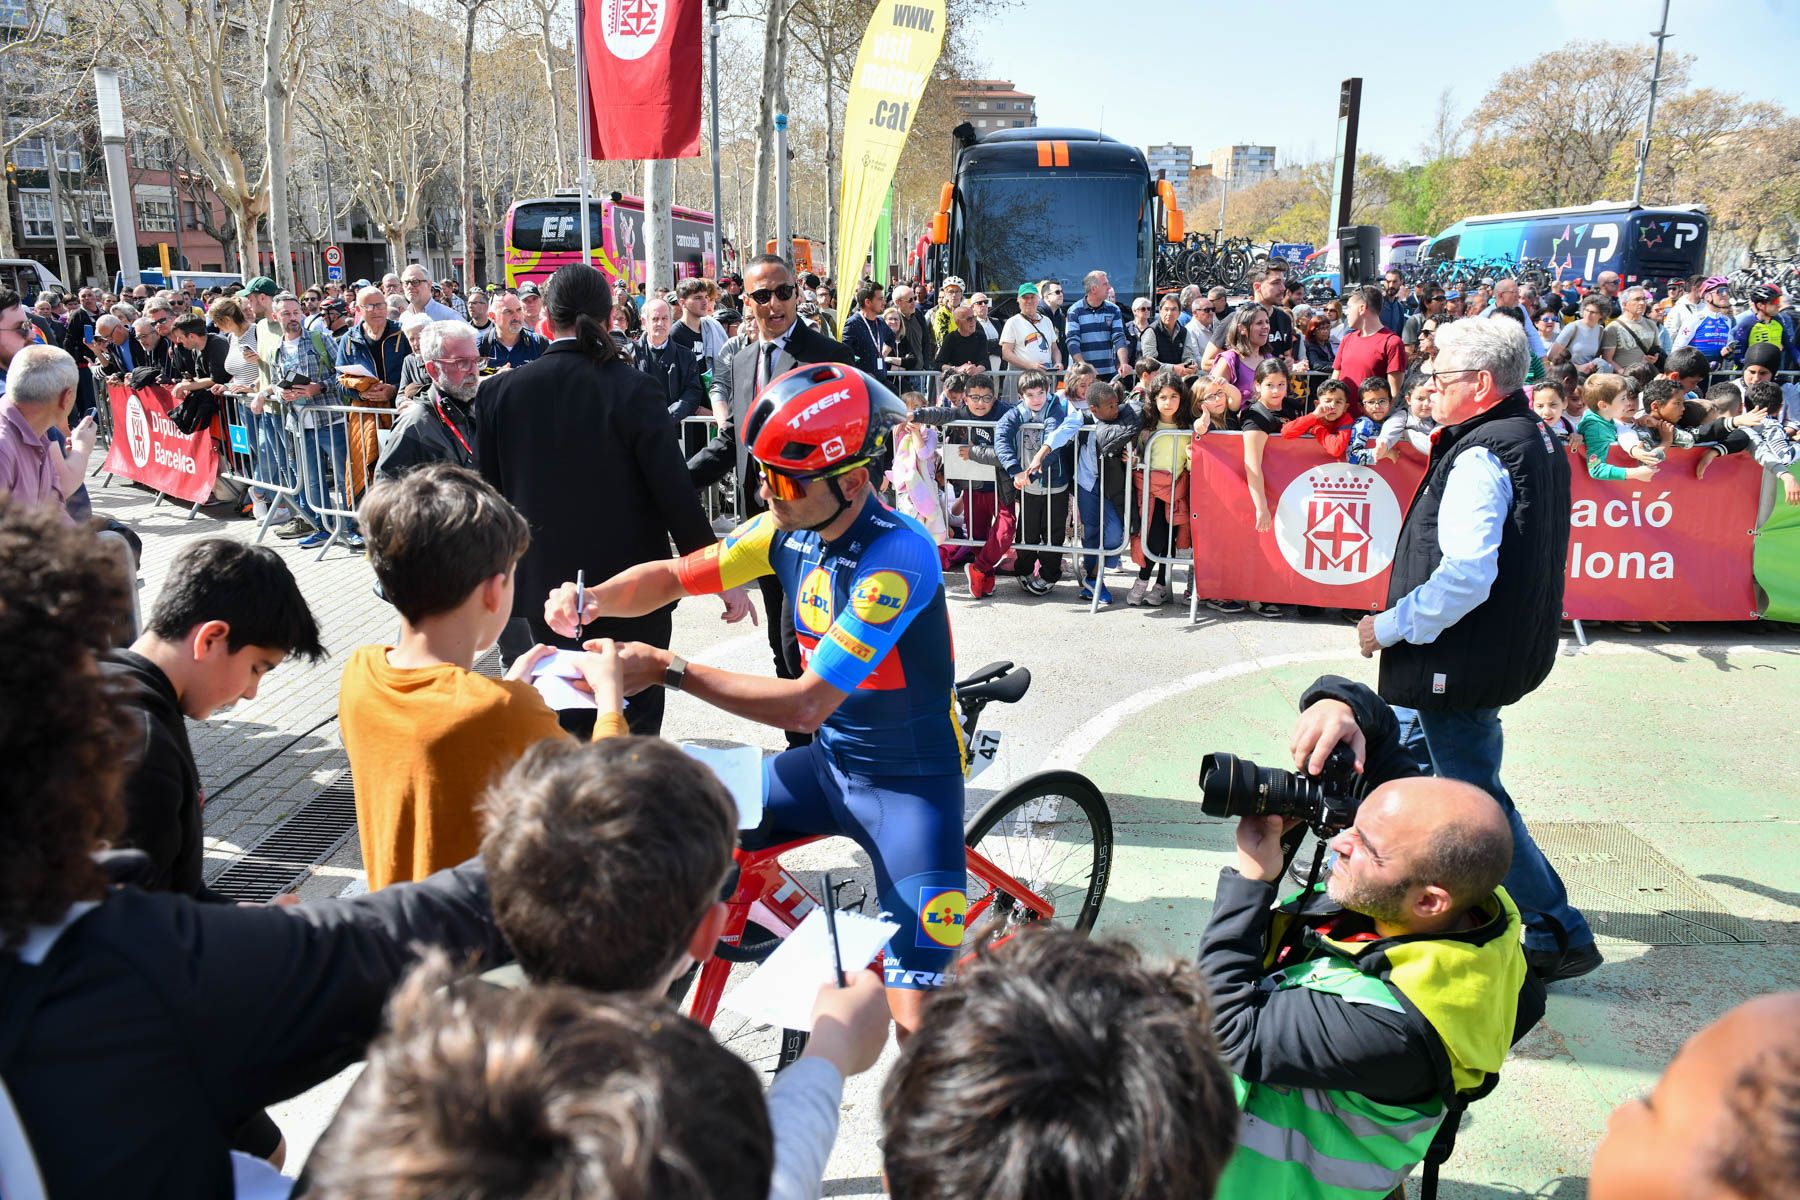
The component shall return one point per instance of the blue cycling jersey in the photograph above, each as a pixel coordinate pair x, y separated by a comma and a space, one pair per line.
871, 620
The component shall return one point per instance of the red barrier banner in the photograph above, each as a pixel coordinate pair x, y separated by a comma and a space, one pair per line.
1335, 525
1673, 549
148, 449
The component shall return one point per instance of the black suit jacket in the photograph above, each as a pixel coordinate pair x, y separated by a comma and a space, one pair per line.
112, 359
726, 452
588, 452
676, 369
81, 328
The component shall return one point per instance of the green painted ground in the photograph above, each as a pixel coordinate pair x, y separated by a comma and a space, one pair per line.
1689, 749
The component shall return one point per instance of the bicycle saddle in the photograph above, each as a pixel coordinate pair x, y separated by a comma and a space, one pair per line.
983, 687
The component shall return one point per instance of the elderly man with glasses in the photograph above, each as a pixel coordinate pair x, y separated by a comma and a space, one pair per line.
1475, 600
441, 427
415, 283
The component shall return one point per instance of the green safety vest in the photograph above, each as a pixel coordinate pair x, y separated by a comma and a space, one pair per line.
1327, 1144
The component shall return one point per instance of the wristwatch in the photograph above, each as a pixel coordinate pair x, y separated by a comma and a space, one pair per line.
676, 673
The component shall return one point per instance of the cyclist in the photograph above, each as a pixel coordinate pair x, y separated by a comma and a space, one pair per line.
886, 766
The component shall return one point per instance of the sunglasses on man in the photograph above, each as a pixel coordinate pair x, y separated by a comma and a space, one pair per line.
783, 291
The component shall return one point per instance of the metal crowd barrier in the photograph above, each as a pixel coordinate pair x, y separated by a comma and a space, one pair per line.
1171, 557
267, 469
930, 383
719, 499
965, 478
336, 447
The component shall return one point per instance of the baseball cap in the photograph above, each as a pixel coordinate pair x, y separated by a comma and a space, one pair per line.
262, 285
955, 281
1028, 289
728, 316
1762, 293
528, 288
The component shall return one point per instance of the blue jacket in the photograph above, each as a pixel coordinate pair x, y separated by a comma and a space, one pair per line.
385, 356
1015, 445
868, 341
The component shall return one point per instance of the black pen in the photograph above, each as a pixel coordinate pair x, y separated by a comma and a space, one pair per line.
580, 603
837, 955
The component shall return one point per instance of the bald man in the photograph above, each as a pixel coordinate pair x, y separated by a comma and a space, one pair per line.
1362, 1011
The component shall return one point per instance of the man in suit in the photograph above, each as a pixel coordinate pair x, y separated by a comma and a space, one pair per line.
583, 445
120, 351
783, 343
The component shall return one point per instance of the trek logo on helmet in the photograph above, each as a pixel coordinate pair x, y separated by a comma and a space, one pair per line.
818, 406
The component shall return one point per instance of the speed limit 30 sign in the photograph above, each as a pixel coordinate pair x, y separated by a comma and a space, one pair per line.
334, 256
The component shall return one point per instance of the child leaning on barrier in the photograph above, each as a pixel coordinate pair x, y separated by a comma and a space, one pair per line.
1165, 459
1102, 463
1547, 402
914, 475
1032, 441
1611, 406
1378, 405
1075, 386
423, 730
989, 505
1262, 419
1329, 422
1412, 426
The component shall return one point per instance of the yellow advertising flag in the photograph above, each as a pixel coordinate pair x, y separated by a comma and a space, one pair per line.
898, 52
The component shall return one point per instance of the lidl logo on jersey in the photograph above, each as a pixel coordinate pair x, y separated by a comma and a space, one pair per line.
812, 607
880, 597
941, 913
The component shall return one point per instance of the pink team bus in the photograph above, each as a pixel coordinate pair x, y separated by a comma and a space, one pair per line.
544, 234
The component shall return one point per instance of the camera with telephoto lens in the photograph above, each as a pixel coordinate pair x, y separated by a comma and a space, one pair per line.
1236, 787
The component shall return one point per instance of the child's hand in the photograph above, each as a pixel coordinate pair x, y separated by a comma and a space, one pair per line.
850, 1023
1265, 521
522, 665
1790, 490
602, 672
1643, 474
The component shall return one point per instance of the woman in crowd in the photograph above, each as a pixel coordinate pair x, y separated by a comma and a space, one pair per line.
1244, 352
902, 358
1169, 411
1579, 343
1316, 341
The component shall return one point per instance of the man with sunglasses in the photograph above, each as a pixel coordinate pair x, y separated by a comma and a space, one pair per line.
782, 343
868, 595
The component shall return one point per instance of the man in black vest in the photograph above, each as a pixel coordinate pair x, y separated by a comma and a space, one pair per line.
784, 343
1475, 598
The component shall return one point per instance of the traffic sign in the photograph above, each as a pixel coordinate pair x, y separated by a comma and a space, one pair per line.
334, 256
334, 274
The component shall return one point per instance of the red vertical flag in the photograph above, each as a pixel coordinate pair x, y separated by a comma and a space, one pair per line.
643, 77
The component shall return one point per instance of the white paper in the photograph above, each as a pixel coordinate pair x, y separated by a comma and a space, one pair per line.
740, 769
781, 991
551, 674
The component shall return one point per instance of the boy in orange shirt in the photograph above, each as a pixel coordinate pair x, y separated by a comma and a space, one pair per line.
424, 731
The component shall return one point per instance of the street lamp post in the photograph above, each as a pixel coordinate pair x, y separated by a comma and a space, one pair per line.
112, 142
1661, 34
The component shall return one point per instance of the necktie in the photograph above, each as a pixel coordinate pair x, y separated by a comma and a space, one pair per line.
768, 366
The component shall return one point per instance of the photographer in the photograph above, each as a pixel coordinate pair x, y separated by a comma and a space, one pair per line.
1362, 1014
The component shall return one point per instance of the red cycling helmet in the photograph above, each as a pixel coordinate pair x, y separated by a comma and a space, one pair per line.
817, 422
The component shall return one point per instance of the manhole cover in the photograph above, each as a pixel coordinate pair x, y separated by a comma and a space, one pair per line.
291, 849
1630, 892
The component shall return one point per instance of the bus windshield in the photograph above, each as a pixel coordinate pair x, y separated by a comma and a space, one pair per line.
1024, 227
553, 226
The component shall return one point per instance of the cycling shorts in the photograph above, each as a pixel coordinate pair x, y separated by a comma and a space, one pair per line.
910, 826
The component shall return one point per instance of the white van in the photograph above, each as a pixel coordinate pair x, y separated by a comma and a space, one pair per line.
28, 277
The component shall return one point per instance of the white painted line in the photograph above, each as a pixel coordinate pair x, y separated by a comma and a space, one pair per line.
1076, 746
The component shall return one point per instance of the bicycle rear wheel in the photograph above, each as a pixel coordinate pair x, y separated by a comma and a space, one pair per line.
1053, 834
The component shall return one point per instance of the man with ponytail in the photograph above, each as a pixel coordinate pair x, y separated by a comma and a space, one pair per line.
582, 443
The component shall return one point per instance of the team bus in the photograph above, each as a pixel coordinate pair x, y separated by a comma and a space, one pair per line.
544, 234
1644, 245
1035, 203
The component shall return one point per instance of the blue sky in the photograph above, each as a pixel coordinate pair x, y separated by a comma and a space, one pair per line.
1196, 95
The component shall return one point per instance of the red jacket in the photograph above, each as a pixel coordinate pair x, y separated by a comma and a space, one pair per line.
1333, 438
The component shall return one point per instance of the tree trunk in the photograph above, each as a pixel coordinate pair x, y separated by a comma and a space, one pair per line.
659, 233
556, 139
275, 101
762, 216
